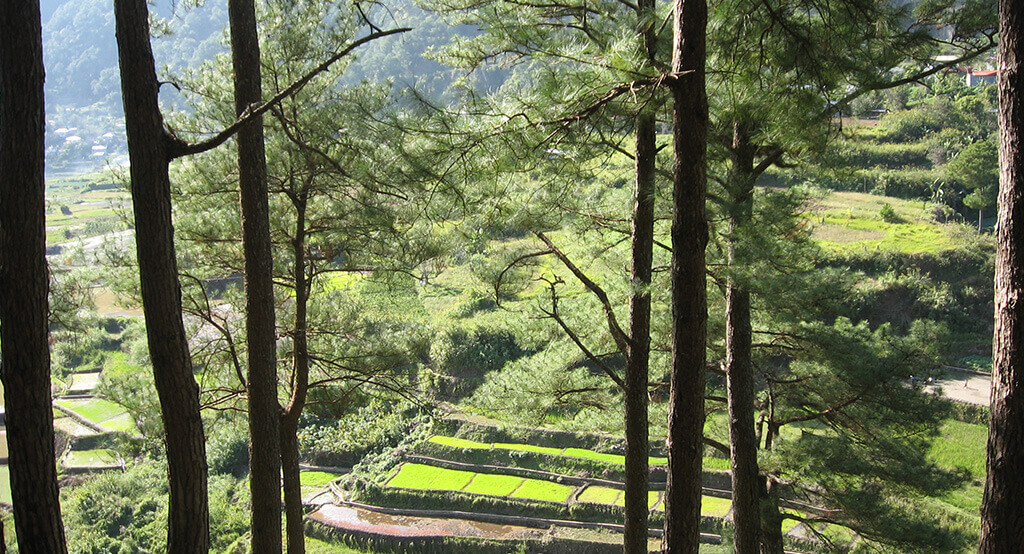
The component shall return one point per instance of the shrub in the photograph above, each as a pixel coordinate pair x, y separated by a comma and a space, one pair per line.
889, 214
886, 155
227, 446
461, 358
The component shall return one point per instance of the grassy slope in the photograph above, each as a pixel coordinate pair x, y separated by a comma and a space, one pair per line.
851, 222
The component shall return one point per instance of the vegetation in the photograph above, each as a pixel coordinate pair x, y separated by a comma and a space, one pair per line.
470, 273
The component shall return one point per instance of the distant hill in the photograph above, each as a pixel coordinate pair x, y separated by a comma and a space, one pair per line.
84, 113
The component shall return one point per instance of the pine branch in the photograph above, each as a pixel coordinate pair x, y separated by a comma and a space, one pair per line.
178, 148
553, 314
621, 339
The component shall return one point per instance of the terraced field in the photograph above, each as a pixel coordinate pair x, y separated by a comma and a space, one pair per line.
424, 477
100, 458
104, 414
578, 453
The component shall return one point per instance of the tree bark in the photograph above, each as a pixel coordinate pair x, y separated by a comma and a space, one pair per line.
264, 409
739, 368
149, 149
638, 356
294, 524
637, 470
1002, 512
689, 300
25, 280
771, 516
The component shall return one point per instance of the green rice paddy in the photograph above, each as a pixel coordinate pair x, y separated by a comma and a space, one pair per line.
316, 478
101, 457
536, 489
600, 495
497, 485
93, 409
107, 415
424, 477
431, 478
713, 506
123, 423
581, 453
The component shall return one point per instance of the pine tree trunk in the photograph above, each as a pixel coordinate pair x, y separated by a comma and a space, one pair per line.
294, 524
637, 359
1002, 512
689, 297
771, 519
25, 280
148, 151
264, 409
295, 536
739, 368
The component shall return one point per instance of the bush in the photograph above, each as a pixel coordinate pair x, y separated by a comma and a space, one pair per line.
118, 512
888, 214
343, 443
227, 446
886, 155
461, 358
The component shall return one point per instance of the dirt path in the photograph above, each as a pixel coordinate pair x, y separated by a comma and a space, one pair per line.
963, 386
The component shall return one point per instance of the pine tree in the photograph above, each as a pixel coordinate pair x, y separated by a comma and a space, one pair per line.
24, 278
1002, 517
689, 301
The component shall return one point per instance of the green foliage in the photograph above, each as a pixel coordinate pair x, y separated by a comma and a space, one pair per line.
460, 358
977, 363
883, 155
125, 512
888, 214
460, 353
227, 445
131, 386
376, 427
531, 390
977, 169
118, 512
916, 123
951, 286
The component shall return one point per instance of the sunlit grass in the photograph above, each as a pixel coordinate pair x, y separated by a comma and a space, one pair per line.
90, 458
96, 410
851, 222
713, 506
962, 445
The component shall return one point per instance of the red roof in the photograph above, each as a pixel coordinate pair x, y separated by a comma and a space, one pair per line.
984, 73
